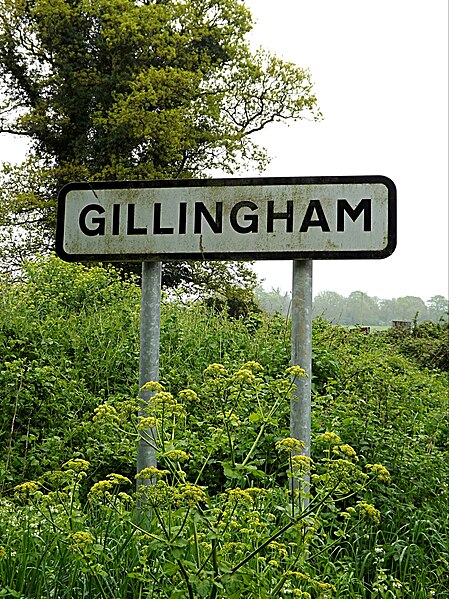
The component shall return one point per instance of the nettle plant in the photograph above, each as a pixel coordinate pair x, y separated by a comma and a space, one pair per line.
213, 520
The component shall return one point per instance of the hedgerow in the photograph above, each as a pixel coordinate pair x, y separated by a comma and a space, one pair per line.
69, 343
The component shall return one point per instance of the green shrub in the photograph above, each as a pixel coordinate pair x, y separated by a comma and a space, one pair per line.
427, 344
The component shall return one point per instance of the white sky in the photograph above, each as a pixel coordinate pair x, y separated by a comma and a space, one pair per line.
380, 69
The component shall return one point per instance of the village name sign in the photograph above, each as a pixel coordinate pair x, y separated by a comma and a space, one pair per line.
222, 219
294, 218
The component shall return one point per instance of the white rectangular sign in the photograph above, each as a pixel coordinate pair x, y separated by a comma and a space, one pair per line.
224, 219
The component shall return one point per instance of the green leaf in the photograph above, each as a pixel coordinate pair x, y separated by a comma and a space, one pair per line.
255, 417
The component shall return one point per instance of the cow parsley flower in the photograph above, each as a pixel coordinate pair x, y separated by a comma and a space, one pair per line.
187, 395
290, 444
368, 511
380, 472
77, 465
329, 437
177, 455
295, 371
81, 540
152, 472
215, 371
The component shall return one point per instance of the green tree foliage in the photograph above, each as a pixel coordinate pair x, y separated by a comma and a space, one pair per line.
119, 89
438, 308
329, 305
274, 301
361, 309
225, 285
427, 343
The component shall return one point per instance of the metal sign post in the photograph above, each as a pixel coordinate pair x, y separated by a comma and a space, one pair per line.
300, 404
149, 358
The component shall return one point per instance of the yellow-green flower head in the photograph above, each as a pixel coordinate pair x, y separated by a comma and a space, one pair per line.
380, 472
257, 492
345, 469
192, 494
128, 407
101, 488
77, 464
253, 366
187, 395
28, 488
348, 513
54, 498
301, 594
152, 386
301, 463
105, 413
330, 438
2, 552
244, 375
321, 587
325, 587
298, 575
163, 397
152, 472
148, 422
125, 498
238, 495
177, 455
347, 451
289, 444
369, 511
279, 548
215, 371
80, 540
118, 479
295, 371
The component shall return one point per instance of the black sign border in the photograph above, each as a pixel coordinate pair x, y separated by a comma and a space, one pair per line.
231, 182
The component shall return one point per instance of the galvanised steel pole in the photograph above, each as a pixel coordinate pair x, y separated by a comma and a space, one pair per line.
150, 325
300, 405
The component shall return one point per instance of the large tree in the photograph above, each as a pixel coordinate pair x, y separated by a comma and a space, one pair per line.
329, 305
438, 308
126, 89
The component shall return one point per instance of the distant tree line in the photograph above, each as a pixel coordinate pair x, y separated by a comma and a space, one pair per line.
360, 308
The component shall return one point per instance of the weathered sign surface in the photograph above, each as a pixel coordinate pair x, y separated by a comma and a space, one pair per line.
223, 219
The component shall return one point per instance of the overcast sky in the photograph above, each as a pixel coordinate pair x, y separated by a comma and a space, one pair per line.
380, 69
